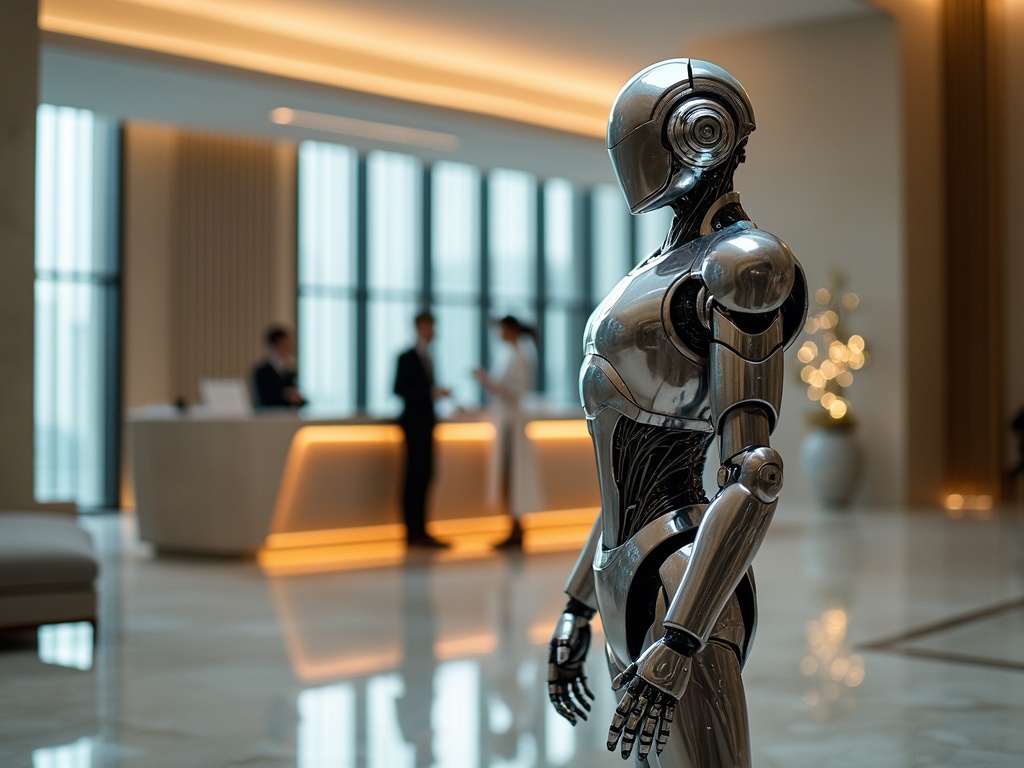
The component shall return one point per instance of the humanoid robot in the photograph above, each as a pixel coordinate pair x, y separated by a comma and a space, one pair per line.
687, 347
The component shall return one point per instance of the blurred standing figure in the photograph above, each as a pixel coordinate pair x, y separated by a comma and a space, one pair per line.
274, 380
513, 473
414, 383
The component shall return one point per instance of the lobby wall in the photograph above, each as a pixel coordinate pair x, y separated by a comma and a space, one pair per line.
824, 172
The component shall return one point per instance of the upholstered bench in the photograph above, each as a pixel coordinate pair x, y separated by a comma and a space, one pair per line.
47, 570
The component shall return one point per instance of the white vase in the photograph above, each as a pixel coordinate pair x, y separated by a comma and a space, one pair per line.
830, 461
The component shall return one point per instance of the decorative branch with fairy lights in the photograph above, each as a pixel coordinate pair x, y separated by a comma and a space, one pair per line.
830, 356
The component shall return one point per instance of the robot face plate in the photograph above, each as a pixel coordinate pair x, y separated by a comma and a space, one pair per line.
641, 164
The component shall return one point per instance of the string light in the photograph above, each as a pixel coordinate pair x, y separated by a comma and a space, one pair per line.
828, 366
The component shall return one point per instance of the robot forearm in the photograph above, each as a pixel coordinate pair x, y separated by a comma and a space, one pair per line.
580, 586
729, 536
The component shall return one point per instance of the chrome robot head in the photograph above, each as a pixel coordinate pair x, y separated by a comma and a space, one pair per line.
671, 125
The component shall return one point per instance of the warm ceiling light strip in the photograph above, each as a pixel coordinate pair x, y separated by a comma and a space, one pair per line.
398, 45
348, 126
490, 102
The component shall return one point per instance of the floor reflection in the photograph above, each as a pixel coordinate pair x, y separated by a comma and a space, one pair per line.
388, 721
449, 670
77, 755
67, 645
893, 639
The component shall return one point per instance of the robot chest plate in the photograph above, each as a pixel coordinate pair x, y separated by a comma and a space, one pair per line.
637, 332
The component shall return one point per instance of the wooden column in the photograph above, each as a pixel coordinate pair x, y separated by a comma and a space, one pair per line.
974, 247
19, 84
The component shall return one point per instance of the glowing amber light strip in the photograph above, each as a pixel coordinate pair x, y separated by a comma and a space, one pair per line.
474, 431
569, 429
335, 536
294, 562
488, 102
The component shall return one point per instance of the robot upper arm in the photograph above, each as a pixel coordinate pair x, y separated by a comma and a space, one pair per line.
755, 305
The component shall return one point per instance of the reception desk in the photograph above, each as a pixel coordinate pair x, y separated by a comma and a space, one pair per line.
233, 485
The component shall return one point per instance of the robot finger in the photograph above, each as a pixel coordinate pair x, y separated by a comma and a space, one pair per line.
666, 724
557, 695
586, 688
619, 720
579, 690
636, 717
574, 704
647, 734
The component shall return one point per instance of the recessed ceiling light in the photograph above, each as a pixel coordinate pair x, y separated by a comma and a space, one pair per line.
349, 126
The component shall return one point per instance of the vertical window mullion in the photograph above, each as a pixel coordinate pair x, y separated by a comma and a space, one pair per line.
427, 232
362, 279
485, 273
540, 300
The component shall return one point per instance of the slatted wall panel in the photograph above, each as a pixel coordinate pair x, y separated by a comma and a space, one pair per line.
223, 269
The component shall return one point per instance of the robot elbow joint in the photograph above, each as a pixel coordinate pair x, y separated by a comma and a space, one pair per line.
761, 474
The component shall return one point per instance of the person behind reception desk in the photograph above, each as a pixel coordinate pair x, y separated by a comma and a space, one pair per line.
513, 470
414, 383
274, 380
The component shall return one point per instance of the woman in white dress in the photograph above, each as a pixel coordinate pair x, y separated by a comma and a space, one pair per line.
514, 476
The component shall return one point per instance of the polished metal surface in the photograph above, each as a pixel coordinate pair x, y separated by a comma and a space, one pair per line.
729, 198
701, 108
752, 271
615, 568
689, 343
737, 381
754, 347
701, 132
567, 684
731, 532
580, 585
741, 428
760, 472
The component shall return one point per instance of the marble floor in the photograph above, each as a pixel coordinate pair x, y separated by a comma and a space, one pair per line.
887, 639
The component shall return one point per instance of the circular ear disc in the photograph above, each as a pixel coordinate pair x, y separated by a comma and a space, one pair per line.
702, 132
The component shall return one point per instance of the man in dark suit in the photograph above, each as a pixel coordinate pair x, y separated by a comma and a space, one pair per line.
273, 380
414, 383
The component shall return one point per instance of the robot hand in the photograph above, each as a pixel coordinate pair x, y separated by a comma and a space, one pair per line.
567, 685
654, 684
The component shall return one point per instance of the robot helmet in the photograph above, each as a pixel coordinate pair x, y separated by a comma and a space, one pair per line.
671, 122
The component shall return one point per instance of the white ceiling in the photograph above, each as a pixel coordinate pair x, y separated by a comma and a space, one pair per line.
592, 45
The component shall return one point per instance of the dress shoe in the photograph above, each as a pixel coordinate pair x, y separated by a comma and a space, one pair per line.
427, 542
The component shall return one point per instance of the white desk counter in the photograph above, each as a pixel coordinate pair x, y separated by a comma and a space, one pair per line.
223, 485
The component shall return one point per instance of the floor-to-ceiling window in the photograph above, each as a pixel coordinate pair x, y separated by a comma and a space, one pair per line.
328, 274
455, 276
565, 301
612, 240
395, 269
511, 254
383, 236
76, 308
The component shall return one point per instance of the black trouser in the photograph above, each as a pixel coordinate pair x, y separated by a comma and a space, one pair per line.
419, 468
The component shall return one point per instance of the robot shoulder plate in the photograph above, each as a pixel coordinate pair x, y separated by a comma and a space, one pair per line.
749, 271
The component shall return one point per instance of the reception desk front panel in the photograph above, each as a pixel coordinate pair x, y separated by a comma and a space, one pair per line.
222, 486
